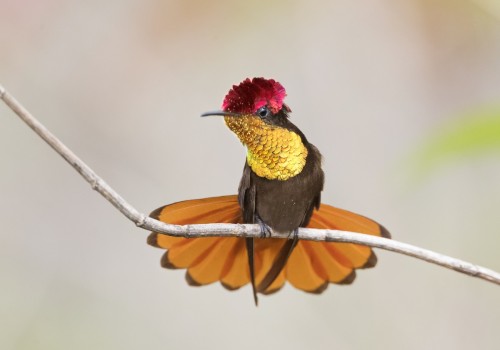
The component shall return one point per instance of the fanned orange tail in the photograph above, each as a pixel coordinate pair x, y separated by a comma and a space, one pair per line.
311, 267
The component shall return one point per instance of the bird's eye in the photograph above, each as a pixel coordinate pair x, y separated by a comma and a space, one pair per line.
263, 112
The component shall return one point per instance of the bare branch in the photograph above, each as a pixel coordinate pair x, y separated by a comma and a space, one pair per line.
235, 230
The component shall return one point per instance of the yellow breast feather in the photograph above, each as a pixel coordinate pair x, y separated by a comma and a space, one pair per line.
274, 153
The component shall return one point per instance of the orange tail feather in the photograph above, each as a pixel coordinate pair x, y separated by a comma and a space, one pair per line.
311, 266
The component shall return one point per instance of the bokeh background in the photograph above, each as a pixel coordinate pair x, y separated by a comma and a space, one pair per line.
401, 97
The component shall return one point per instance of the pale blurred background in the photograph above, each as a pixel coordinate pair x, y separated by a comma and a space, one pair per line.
383, 88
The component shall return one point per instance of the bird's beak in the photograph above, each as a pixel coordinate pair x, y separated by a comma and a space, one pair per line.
221, 113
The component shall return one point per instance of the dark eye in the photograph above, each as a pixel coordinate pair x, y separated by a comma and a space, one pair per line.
263, 112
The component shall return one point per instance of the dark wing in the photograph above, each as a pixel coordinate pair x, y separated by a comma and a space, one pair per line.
246, 198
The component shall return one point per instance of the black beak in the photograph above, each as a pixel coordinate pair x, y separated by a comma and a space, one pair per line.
222, 113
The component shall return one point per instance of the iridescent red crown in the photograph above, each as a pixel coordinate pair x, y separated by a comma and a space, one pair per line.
250, 95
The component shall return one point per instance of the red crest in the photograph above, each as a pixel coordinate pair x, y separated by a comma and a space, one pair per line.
250, 95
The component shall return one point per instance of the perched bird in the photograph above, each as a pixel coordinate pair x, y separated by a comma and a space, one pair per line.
280, 189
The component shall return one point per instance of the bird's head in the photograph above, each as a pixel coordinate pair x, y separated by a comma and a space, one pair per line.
254, 102
255, 112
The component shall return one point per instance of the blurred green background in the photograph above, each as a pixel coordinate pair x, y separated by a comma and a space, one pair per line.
401, 97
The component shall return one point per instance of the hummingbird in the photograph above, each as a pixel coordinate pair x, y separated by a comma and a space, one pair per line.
280, 190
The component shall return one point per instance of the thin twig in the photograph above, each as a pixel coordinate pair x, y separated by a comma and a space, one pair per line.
235, 230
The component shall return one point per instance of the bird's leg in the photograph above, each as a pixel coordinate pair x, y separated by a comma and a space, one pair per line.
265, 230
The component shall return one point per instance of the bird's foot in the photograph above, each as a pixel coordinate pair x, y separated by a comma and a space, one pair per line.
265, 230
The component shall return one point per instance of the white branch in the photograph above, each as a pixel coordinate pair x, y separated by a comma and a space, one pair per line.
234, 230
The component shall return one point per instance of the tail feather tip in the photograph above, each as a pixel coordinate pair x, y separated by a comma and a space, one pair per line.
349, 278
153, 239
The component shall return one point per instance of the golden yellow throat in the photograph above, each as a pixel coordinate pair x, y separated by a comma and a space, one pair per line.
273, 152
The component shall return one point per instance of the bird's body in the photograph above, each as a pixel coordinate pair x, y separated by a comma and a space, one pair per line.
280, 189
282, 177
